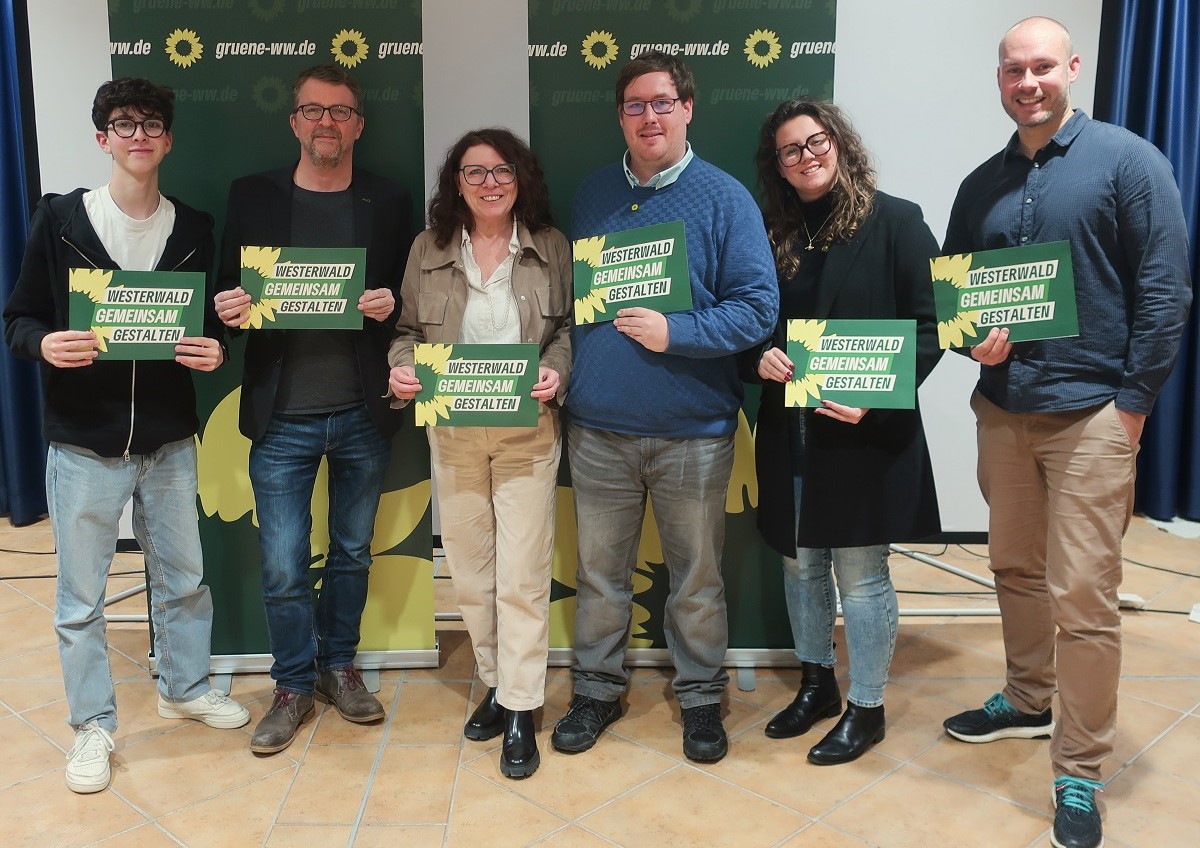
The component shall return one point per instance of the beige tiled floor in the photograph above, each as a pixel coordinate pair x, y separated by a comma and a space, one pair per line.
413, 781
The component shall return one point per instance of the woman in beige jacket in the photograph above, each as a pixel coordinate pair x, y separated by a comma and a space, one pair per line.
492, 270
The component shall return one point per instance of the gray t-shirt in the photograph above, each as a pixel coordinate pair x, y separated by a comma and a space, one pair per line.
320, 367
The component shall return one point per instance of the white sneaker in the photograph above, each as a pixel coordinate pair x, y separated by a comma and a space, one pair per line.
87, 763
216, 709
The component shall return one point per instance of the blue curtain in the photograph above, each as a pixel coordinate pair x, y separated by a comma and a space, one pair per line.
1151, 85
22, 452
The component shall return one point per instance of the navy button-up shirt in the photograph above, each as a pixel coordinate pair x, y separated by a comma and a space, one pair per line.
1113, 196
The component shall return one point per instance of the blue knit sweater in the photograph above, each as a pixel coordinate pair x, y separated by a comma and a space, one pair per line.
691, 390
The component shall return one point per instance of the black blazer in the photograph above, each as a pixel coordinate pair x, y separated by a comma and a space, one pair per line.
260, 213
869, 483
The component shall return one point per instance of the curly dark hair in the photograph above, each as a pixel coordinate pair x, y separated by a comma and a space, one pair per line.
852, 194
148, 98
332, 74
447, 209
651, 62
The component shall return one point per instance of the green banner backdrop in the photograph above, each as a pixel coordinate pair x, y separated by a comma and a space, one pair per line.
747, 56
231, 65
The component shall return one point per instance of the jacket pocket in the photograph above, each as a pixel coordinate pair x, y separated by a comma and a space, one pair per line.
432, 307
551, 302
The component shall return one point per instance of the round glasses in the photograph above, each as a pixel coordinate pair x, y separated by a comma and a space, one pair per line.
127, 127
663, 106
817, 144
315, 112
477, 174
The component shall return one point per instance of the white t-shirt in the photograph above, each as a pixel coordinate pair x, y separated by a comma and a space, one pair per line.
134, 245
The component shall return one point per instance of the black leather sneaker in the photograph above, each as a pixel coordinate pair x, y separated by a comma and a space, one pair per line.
579, 729
704, 738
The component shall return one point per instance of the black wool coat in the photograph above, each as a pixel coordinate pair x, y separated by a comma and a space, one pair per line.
869, 483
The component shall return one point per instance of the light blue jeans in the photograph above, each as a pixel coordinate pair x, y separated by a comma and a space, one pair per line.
305, 636
611, 475
86, 493
869, 611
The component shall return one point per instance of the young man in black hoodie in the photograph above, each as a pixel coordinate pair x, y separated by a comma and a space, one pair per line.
121, 429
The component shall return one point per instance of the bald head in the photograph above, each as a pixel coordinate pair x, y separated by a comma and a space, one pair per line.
1046, 30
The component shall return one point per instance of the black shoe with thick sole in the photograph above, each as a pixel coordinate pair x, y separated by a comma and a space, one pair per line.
519, 757
487, 722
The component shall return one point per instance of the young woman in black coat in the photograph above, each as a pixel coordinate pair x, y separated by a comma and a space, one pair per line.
837, 483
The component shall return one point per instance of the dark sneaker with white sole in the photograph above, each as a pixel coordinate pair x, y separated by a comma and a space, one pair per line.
999, 720
1076, 817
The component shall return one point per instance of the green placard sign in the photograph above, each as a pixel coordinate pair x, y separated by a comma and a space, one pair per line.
646, 266
304, 288
476, 385
1030, 290
136, 314
870, 364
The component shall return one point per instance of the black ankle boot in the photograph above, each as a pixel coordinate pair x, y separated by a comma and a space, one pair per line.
487, 722
858, 729
520, 757
819, 698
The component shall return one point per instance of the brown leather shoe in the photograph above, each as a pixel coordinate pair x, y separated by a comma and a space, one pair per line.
343, 687
277, 729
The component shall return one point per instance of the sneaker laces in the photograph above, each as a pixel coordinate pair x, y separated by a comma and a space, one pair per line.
91, 734
1078, 793
587, 710
703, 718
215, 698
998, 706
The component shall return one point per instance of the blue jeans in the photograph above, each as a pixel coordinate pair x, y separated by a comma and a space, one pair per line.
869, 610
283, 471
86, 493
687, 479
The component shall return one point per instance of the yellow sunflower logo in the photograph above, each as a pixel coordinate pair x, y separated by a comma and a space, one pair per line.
184, 47
348, 48
588, 250
762, 48
599, 38
103, 334
262, 261
949, 275
809, 334
92, 282
434, 357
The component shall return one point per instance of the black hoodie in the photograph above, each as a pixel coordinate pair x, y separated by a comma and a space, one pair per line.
110, 407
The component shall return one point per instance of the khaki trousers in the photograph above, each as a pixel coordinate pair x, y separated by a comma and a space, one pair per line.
1060, 489
496, 496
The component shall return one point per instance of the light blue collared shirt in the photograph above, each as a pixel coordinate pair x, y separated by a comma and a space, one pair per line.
663, 178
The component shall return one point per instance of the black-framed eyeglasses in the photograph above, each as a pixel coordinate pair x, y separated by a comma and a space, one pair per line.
817, 144
128, 127
662, 106
477, 174
315, 112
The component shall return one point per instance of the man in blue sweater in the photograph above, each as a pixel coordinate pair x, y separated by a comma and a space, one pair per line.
1059, 420
653, 408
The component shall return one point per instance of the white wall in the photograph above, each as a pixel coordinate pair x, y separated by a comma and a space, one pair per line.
70, 58
918, 78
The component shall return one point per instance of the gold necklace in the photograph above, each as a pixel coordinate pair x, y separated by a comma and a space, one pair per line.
812, 237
